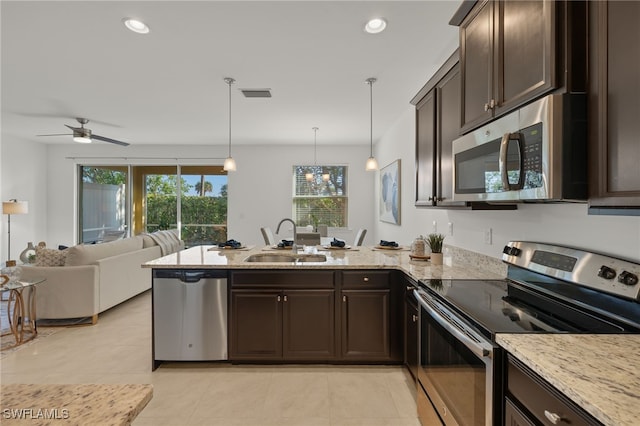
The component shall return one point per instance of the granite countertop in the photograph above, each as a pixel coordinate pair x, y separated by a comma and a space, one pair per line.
72, 404
597, 372
458, 263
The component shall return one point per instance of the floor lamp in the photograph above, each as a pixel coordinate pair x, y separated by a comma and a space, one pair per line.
10, 207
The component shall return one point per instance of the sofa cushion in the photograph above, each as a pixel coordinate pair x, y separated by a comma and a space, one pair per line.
50, 257
86, 254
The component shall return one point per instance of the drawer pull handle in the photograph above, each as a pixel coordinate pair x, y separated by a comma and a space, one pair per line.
552, 417
278, 298
366, 279
285, 298
344, 298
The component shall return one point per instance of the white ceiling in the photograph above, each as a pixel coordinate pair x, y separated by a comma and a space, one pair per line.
66, 59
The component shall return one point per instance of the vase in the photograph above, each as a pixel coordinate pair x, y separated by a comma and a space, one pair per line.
436, 258
28, 255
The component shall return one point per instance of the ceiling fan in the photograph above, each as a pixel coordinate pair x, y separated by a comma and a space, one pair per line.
83, 135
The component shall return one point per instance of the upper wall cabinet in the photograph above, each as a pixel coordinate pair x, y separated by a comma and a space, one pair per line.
437, 125
614, 103
507, 57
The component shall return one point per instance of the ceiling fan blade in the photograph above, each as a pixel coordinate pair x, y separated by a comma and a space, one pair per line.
58, 134
75, 129
102, 138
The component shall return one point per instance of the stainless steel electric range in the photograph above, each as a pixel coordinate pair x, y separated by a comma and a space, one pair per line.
548, 289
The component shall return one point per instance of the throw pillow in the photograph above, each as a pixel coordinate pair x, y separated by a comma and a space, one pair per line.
50, 257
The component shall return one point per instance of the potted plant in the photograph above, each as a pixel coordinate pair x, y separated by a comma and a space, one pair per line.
435, 243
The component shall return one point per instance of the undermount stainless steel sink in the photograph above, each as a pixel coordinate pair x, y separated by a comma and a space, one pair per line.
286, 258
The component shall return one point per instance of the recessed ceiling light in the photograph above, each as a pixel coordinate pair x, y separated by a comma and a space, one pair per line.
136, 26
375, 25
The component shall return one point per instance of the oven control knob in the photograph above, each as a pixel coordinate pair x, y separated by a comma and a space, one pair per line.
627, 278
511, 251
606, 273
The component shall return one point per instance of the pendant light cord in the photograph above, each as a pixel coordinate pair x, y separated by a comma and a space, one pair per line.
370, 81
229, 81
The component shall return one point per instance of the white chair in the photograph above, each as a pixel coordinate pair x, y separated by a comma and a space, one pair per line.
308, 238
267, 234
360, 237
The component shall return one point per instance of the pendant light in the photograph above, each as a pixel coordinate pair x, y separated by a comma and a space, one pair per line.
309, 176
372, 163
229, 162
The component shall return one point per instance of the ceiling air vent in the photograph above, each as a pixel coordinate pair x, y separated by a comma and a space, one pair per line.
256, 93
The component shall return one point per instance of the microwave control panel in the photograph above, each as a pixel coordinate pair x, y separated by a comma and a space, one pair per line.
532, 156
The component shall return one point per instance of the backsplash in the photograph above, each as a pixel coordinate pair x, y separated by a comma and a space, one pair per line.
456, 255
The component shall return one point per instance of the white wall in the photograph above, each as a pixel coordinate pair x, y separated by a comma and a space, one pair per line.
259, 192
23, 176
567, 224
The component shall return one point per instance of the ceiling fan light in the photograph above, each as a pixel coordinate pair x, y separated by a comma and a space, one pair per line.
136, 26
375, 25
372, 164
229, 164
82, 139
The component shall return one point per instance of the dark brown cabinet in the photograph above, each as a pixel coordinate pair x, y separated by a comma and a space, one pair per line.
437, 125
256, 320
530, 400
614, 106
507, 57
285, 315
366, 318
308, 324
278, 315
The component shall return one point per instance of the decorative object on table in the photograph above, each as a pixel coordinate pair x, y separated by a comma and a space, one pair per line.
390, 193
42, 244
10, 207
388, 245
28, 255
285, 244
435, 243
338, 243
230, 244
418, 246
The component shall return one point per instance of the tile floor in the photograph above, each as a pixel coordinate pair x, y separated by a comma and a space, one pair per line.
118, 350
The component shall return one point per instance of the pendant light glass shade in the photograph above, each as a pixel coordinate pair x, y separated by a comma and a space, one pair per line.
229, 162
372, 163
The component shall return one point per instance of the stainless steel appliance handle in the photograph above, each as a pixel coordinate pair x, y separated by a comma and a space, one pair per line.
502, 162
479, 349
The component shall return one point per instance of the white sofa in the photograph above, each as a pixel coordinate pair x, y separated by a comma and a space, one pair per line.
97, 277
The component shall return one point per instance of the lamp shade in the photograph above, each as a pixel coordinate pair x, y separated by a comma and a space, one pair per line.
15, 207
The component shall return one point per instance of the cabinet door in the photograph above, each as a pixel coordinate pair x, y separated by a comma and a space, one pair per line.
524, 52
425, 150
614, 107
365, 325
256, 325
308, 324
513, 416
448, 129
476, 65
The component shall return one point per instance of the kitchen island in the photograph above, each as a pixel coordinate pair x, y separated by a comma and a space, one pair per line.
599, 373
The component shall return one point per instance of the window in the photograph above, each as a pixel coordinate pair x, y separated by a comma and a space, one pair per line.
193, 198
320, 195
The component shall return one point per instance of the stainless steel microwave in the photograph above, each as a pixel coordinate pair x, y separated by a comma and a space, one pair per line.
536, 153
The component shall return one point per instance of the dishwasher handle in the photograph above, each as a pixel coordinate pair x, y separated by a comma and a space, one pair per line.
189, 275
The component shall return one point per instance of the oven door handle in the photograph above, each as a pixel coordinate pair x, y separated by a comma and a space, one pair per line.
477, 348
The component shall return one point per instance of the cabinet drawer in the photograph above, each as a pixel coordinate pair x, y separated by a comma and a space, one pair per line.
541, 399
282, 279
365, 279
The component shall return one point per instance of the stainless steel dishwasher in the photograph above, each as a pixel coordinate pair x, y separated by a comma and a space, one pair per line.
189, 315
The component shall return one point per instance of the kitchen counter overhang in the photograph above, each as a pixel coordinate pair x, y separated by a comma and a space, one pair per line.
369, 258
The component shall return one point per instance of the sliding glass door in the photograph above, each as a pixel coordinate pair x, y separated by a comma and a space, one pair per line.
192, 199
